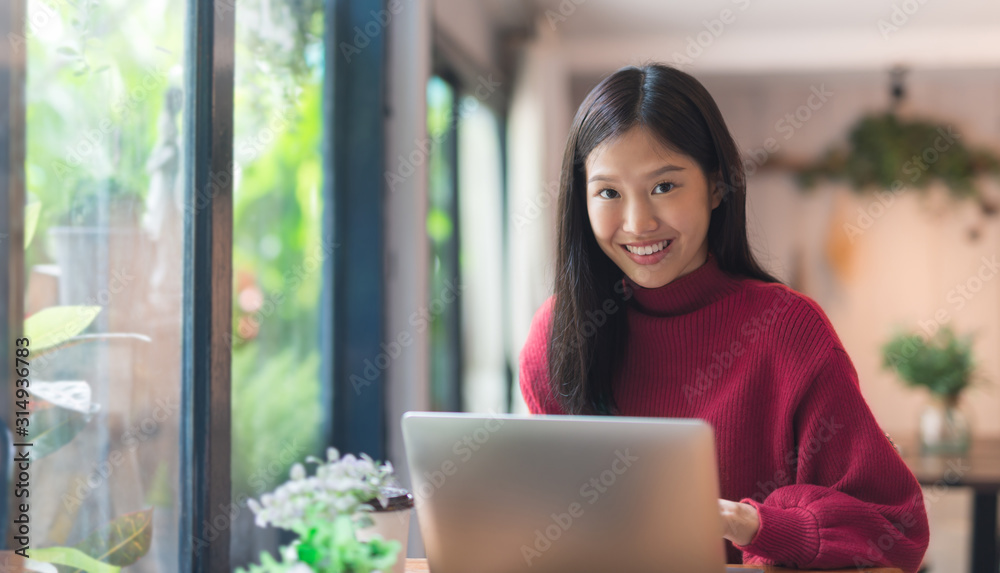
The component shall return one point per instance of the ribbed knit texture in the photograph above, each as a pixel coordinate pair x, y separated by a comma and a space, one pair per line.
794, 437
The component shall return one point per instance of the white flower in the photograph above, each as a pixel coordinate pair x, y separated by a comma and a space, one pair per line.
340, 486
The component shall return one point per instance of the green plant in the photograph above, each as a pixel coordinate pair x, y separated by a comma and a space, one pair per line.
59, 411
943, 364
329, 546
324, 511
261, 424
885, 151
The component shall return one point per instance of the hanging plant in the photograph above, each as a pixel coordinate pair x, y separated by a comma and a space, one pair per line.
887, 152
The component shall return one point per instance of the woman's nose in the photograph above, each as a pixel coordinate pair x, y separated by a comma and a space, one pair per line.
639, 218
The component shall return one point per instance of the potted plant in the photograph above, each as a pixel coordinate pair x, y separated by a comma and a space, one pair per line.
943, 364
350, 517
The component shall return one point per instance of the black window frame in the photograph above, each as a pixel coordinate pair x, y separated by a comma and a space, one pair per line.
13, 64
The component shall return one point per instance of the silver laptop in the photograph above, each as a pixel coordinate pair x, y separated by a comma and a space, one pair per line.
508, 493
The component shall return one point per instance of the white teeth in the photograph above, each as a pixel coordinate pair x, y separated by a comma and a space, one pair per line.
649, 250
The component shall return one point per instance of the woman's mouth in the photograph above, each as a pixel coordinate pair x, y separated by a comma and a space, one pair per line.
648, 254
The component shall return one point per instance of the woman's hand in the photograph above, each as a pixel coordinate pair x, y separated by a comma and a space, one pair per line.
740, 521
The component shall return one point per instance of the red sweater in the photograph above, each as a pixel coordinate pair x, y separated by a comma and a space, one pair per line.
794, 437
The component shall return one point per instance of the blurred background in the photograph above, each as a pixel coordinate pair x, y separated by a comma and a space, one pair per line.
871, 137
837, 109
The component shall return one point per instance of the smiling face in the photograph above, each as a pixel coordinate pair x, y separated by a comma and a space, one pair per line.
649, 207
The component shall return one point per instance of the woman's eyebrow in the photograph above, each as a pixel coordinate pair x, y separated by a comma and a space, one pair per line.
608, 178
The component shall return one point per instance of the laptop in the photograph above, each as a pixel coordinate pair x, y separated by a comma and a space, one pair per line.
508, 493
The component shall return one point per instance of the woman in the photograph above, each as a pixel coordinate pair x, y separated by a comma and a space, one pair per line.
660, 309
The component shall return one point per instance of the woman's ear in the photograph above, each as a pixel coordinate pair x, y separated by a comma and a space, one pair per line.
720, 190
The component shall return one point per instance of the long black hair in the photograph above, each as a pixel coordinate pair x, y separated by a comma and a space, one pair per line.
586, 342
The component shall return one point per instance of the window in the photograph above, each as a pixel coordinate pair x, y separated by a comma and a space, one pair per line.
278, 254
442, 231
485, 377
104, 277
186, 243
465, 222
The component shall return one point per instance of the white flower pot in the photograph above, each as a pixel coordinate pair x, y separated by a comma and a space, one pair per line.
392, 523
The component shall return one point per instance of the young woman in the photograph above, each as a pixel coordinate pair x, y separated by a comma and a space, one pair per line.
660, 309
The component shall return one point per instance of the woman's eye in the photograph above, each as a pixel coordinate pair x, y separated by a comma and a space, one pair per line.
664, 187
603, 192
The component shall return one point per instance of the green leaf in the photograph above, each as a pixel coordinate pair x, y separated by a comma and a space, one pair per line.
72, 557
31, 212
67, 51
14, 562
942, 363
51, 326
52, 428
123, 541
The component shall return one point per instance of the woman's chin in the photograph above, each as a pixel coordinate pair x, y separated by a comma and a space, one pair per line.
647, 276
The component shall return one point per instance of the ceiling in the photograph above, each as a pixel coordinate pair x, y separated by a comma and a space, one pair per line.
624, 17
765, 34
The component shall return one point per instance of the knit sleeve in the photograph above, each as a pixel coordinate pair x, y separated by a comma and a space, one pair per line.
534, 369
854, 503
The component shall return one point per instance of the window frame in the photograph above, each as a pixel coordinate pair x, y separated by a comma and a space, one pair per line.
206, 427
13, 62
353, 307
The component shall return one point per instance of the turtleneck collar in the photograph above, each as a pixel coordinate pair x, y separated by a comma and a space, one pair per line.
699, 288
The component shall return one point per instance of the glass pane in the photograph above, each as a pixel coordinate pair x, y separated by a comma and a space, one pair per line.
278, 253
484, 369
104, 278
442, 232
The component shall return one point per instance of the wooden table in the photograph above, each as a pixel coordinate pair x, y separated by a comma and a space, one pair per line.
979, 470
420, 566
